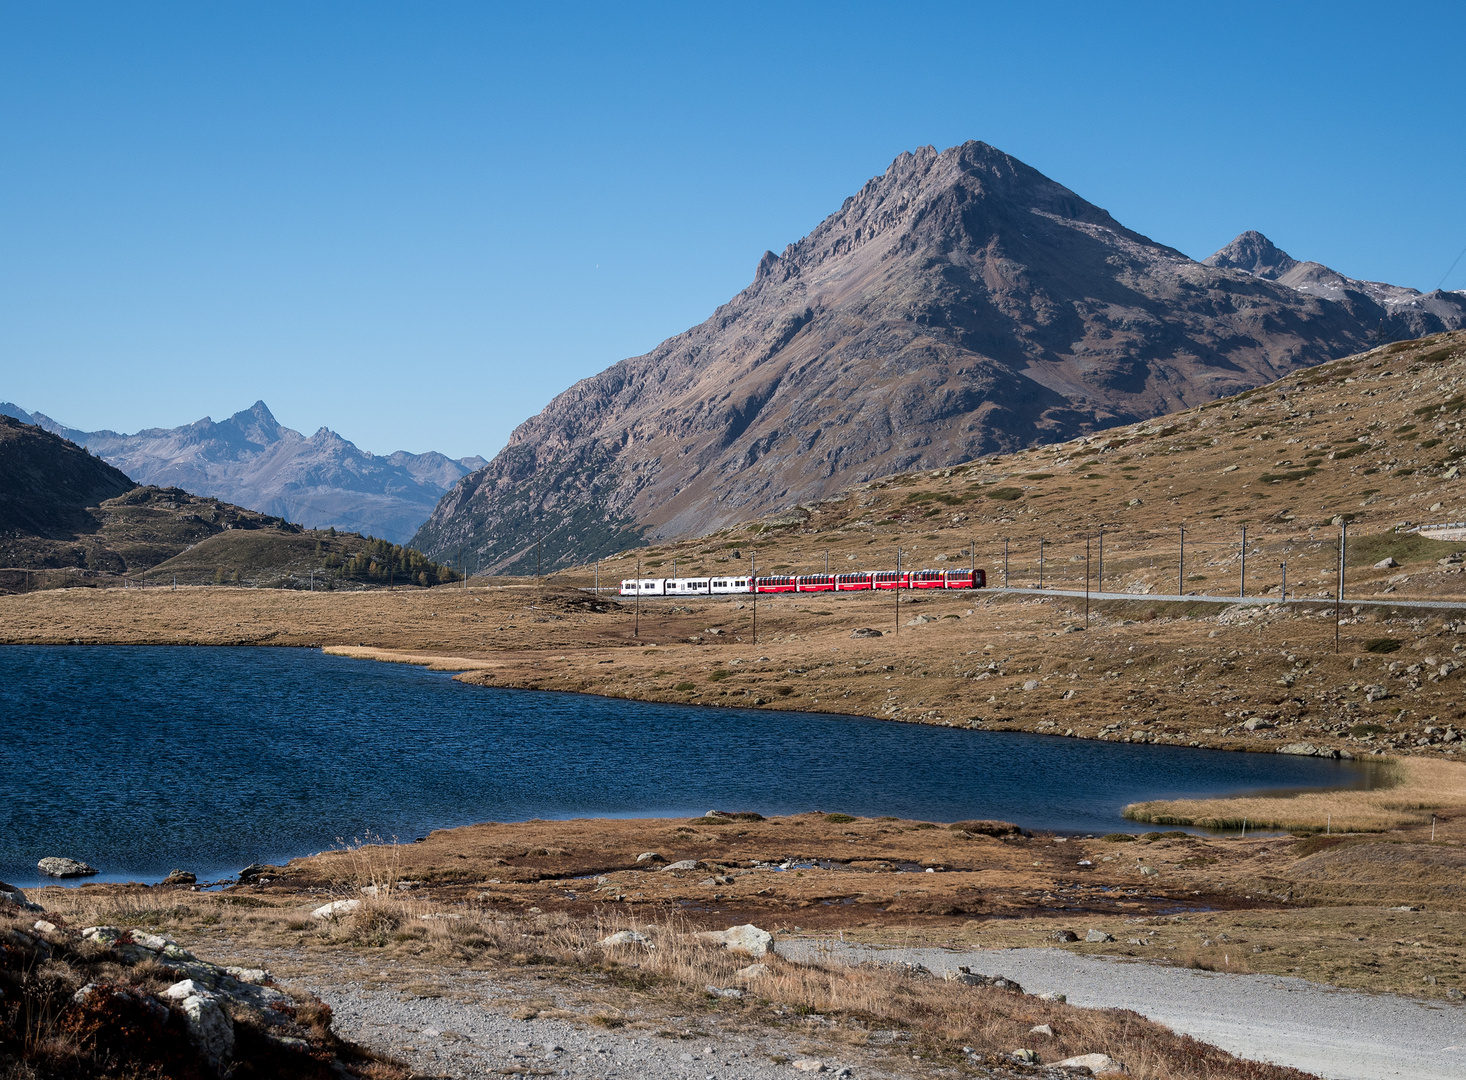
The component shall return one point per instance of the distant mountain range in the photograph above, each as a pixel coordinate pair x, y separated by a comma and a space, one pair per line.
960, 304
252, 461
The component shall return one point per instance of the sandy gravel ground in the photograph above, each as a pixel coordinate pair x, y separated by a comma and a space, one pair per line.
1337, 1034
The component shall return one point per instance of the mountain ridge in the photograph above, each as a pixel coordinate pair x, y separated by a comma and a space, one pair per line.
251, 460
961, 303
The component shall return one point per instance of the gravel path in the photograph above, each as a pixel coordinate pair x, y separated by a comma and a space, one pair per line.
1337, 1034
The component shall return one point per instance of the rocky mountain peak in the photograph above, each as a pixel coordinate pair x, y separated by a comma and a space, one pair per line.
1254, 254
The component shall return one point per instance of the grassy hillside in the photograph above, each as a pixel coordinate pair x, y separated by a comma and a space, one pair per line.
1374, 440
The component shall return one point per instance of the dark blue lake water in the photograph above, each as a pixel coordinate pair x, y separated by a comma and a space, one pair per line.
138, 760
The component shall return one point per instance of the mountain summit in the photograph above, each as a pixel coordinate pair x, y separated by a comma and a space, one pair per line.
252, 460
959, 304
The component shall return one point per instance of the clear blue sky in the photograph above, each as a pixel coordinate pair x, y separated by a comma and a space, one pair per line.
416, 222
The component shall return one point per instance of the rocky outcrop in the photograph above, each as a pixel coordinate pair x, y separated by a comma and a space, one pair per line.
959, 304
62, 867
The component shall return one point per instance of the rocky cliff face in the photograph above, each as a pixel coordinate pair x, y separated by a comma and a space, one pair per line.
959, 304
251, 460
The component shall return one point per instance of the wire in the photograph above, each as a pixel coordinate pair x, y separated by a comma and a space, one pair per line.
1447, 274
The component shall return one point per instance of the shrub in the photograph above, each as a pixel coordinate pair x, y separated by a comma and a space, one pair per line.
685, 686
1006, 494
719, 676
1118, 838
839, 819
1382, 645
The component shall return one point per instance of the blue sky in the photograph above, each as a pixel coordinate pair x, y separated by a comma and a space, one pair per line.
416, 223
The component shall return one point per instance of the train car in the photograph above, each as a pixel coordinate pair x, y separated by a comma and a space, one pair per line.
643, 587
778, 583
965, 579
815, 583
852, 582
724, 586
889, 579
688, 587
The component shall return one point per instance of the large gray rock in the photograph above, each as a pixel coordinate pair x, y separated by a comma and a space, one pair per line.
1098, 935
866, 631
13, 897
335, 909
61, 867
747, 939
1097, 1064
681, 864
209, 1025
626, 937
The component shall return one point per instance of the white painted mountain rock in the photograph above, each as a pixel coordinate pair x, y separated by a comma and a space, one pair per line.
747, 939
335, 909
58, 866
1098, 1064
208, 1025
626, 937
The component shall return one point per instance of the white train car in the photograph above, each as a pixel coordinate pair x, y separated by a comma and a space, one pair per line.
643, 586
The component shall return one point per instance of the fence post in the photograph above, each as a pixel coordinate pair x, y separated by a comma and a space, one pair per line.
1242, 587
1181, 579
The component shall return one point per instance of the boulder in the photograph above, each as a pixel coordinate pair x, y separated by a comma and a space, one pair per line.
180, 877
1098, 935
1097, 1064
1052, 995
252, 871
752, 971
808, 1064
967, 977
747, 939
681, 864
10, 896
650, 856
1041, 1029
335, 909
1300, 749
1064, 936
208, 1025
1025, 1056
61, 867
1387, 563
866, 631
1257, 723
626, 937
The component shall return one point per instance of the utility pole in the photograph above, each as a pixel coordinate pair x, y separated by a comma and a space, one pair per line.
898, 592
753, 582
1339, 592
1099, 576
1181, 569
1086, 582
1283, 566
539, 585
1005, 562
827, 562
637, 632
313, 580
1041, 562
1242, 588
598, 577
972, 551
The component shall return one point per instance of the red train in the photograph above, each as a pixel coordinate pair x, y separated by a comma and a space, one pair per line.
878, 579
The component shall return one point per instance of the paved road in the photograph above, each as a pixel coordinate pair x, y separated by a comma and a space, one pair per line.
1337, 1034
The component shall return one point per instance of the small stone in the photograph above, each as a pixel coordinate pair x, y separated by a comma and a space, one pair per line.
808, 1064
724, 991
335, 909
61, 867
1097, 1064
1454, 993
752, 971
1064, 935
1098, 935
1150, 871
1053, 995
1257, 723
44, 927
681, 864
1041, 1029
1025, 1056
650, 856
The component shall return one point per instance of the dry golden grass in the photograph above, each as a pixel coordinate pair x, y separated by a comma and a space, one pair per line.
1416, 787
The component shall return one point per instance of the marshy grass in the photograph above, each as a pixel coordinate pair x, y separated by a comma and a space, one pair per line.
1413, 788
